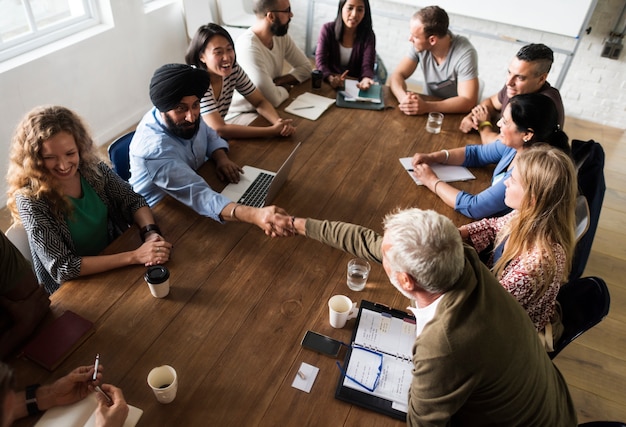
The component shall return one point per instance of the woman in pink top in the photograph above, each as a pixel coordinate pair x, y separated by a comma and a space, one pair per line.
534, 244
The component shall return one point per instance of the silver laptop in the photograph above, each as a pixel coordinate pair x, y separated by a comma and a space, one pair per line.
258, 187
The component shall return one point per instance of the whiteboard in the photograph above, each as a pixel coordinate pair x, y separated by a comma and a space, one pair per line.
565, 17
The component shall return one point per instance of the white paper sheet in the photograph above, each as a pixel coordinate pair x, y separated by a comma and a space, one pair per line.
309, 106
446, 173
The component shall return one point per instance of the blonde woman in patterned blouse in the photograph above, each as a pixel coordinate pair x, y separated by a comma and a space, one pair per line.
534, 244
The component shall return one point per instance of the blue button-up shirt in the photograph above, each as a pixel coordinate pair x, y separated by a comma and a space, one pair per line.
489, 202
162, 163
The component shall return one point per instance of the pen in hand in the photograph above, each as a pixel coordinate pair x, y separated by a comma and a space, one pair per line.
94, 378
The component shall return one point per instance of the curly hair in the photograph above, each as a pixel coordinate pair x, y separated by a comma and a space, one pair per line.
27, 173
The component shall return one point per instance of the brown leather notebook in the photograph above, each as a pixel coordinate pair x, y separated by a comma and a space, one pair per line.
57, 340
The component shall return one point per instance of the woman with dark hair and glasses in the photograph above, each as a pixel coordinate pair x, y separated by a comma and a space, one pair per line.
212, 49
347, 45
527, 120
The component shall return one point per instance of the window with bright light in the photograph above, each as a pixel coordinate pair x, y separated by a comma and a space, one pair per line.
29, 24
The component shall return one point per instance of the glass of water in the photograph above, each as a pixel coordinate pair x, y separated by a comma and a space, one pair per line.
433, 124
358, 270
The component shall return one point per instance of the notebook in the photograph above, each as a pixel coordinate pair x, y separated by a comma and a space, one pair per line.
446, 173
353, 94
58, 339
81, 414
309, 105
380, 359
258, 187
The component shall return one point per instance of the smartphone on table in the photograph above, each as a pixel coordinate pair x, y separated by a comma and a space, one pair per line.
321, 343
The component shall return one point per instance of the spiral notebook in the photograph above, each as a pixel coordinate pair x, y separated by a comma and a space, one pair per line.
377, 372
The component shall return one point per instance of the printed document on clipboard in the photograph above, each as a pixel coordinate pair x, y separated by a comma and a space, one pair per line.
446, 173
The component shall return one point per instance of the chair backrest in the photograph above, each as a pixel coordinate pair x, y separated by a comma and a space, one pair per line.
584, 303
380, 71
120, 158
197, 13
236, 13
582, 216
17, 235
589, 159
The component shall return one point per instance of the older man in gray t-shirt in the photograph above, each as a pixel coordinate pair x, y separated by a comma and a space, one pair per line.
449, 63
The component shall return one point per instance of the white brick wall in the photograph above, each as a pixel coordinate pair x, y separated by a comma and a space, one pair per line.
594, 87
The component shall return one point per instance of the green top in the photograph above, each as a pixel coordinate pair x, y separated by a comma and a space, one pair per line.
88, 222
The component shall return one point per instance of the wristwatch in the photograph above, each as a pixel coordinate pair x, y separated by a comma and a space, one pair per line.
31, 399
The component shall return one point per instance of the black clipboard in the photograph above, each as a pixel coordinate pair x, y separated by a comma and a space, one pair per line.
362, 105
362, 398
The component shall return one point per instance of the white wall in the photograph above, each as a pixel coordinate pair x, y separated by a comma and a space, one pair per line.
594, 87
104, 78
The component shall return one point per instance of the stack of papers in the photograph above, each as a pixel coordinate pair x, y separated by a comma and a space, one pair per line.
446, 173
352, 93
309, 106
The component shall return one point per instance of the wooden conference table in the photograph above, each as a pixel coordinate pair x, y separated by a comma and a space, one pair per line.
241, 302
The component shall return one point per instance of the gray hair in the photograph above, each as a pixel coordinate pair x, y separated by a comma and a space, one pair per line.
427, 246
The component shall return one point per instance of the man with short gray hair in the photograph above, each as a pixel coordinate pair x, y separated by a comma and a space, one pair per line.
477, 358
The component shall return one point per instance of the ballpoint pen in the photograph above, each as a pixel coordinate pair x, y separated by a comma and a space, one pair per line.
304, 108
95, 376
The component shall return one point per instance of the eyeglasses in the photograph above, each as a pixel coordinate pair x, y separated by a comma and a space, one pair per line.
288, 10
378, 373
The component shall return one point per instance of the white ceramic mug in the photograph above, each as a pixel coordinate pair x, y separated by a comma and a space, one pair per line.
164, 383
341, 309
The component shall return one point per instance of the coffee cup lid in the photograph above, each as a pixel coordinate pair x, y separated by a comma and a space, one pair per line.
157, 274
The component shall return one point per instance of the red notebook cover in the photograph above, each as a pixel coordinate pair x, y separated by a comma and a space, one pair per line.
57, 340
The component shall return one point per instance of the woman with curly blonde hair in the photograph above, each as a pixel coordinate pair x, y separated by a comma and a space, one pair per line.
534, 244
71, 204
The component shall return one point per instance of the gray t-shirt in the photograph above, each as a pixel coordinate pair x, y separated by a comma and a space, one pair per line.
460, 65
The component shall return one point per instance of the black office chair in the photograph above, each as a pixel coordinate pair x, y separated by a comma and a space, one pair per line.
584, 303
602, 424
118, 153
589, 159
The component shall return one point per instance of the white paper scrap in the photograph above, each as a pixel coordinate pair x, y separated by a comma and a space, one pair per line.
305, 377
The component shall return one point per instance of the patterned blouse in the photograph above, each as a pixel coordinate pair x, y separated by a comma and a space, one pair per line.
524, 274
54, 257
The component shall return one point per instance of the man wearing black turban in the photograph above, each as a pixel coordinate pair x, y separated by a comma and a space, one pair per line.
172, 141
172, 82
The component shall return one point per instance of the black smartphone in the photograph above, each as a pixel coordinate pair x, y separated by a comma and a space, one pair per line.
321, 344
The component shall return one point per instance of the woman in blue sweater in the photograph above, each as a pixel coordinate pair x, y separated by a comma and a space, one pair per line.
527, 120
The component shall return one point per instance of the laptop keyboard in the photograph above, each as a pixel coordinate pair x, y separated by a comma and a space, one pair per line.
257, 191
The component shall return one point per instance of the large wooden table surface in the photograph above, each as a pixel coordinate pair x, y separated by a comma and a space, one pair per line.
241, 302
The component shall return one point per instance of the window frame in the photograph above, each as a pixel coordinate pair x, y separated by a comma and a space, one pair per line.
43, 37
